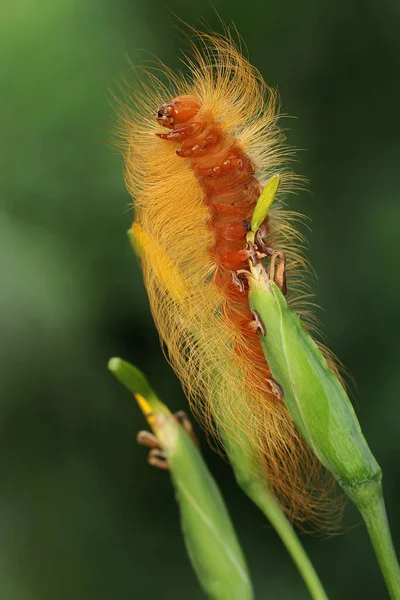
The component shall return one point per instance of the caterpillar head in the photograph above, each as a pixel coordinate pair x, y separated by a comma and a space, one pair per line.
178, 111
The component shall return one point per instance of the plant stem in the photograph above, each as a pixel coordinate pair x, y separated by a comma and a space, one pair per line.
256, 488
369, 500
266, 502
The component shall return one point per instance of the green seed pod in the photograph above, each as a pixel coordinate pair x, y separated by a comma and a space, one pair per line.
210, 539
312, 393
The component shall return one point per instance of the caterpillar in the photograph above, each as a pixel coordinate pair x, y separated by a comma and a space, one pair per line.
198, 151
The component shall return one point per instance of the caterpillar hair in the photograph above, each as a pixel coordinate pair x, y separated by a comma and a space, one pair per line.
198, 151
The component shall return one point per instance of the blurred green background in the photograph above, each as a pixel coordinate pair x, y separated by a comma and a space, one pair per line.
81, 514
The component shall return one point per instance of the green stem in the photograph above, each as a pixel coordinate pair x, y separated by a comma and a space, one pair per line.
266, 502
369, 500
256, 488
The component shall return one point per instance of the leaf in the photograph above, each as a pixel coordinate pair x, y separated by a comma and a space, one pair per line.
208, 532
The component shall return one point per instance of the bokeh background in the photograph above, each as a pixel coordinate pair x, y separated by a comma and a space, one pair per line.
81, 514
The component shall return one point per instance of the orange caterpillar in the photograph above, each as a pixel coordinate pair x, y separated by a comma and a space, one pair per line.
195, 188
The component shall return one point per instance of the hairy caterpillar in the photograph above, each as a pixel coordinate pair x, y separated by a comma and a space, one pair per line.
198, 151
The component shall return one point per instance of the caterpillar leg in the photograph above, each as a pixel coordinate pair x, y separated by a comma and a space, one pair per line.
255, 255
156, 456
184, 420
180, 134
257, 324
260, 241
198, 149
277, 266
237, 281
231, 164
277, 270
275, 388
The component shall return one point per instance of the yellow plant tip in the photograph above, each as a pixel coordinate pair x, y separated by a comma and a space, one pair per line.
146, 409
162, 423
134, 241
147, 247
263, 205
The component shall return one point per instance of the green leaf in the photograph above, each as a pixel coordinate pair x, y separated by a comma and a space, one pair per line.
313, 394
209, 535
132, 379
210, 538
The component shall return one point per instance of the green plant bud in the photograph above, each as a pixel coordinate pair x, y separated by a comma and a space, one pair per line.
312, 393
263, 205
134, 242
210, 539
